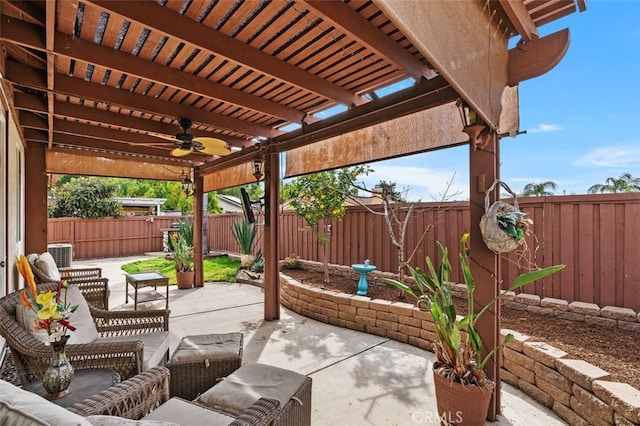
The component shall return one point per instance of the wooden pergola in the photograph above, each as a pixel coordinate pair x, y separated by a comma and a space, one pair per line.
98, 87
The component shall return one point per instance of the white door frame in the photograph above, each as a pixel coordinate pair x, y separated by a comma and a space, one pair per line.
4, 264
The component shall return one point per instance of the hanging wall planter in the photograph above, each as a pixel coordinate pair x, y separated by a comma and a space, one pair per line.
503, 226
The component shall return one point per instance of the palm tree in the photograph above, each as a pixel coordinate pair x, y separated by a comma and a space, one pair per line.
539, 189
625, 183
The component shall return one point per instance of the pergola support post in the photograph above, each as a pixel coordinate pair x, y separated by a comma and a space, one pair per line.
271, 274
484, 169
198, 203
35, 202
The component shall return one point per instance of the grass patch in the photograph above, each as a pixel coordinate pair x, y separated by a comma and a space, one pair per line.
221, 268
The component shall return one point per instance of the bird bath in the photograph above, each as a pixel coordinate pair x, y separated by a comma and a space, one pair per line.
363, 269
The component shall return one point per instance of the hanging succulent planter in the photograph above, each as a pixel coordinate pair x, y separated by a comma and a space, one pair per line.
503, 226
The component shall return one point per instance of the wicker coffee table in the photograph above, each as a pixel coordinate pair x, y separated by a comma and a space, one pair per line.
146, 279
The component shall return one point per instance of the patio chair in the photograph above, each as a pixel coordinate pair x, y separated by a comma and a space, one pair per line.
128, 342
94, 287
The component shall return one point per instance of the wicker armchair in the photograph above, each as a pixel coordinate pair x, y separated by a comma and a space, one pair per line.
94, 287
140, 395
31, 356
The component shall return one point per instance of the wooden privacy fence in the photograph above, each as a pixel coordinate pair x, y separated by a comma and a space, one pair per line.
596, 236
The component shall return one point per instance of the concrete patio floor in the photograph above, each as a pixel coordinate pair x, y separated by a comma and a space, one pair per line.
358, 378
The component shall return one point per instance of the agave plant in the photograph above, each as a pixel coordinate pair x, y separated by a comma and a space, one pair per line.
458, 348
245, 235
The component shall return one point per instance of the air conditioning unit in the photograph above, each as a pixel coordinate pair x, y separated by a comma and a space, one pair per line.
62, 254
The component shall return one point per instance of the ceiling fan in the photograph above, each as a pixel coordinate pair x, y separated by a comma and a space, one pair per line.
187, 143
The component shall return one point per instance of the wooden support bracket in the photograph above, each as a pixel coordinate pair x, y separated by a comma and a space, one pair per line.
539, 57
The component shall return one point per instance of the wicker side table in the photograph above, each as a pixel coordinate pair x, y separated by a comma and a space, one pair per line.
199, 361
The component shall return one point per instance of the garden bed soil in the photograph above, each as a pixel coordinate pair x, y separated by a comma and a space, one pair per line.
613, 350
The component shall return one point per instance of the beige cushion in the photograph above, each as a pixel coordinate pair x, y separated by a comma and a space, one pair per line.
86, 331
208, 346
156, 346
44, 267
183, 412
105, 420
19, 407
239, 390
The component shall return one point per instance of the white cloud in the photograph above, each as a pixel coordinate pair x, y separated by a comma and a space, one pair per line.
543, 128
424, 183
622, 156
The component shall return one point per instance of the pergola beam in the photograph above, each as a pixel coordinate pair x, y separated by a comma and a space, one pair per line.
74, 48
164, 20
521, 20
35, 79
349, 21
428, 94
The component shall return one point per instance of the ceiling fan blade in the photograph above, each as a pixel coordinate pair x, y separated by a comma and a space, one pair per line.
179, 152
161, 136
210, 142
214, 150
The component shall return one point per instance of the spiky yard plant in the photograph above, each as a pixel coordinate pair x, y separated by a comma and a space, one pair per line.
458, 348
245, 235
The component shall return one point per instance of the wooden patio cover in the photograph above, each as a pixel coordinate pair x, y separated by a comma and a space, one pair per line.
97, 86
107, 78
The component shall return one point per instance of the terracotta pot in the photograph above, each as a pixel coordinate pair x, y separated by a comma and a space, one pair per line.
185, 279
461, 405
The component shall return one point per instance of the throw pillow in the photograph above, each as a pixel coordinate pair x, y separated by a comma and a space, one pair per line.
44, 267
20, 407
86, 331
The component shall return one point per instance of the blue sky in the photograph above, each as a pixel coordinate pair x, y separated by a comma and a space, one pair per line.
582, 118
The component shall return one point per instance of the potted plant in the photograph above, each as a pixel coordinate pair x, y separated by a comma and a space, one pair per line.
183, 263
245, 235
463, 390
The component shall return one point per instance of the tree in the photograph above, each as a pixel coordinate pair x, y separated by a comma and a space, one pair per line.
254, 190
625, 183
396, 216
539, 189
389, 191
86, 197
318, 198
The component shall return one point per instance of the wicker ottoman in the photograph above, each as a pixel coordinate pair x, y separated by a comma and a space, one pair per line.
200, 361
252, 381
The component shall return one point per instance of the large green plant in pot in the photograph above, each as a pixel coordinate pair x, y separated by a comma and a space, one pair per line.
245, 235
460, 354
183, 263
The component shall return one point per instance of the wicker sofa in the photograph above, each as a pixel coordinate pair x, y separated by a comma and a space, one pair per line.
126, 341
144, 397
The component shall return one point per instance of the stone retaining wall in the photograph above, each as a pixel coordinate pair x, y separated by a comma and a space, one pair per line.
578, 392
589, 313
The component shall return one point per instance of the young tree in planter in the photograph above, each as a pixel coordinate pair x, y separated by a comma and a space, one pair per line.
397, 212
319, 198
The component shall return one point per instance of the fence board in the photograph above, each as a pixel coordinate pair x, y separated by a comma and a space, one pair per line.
584, 263
631, 283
